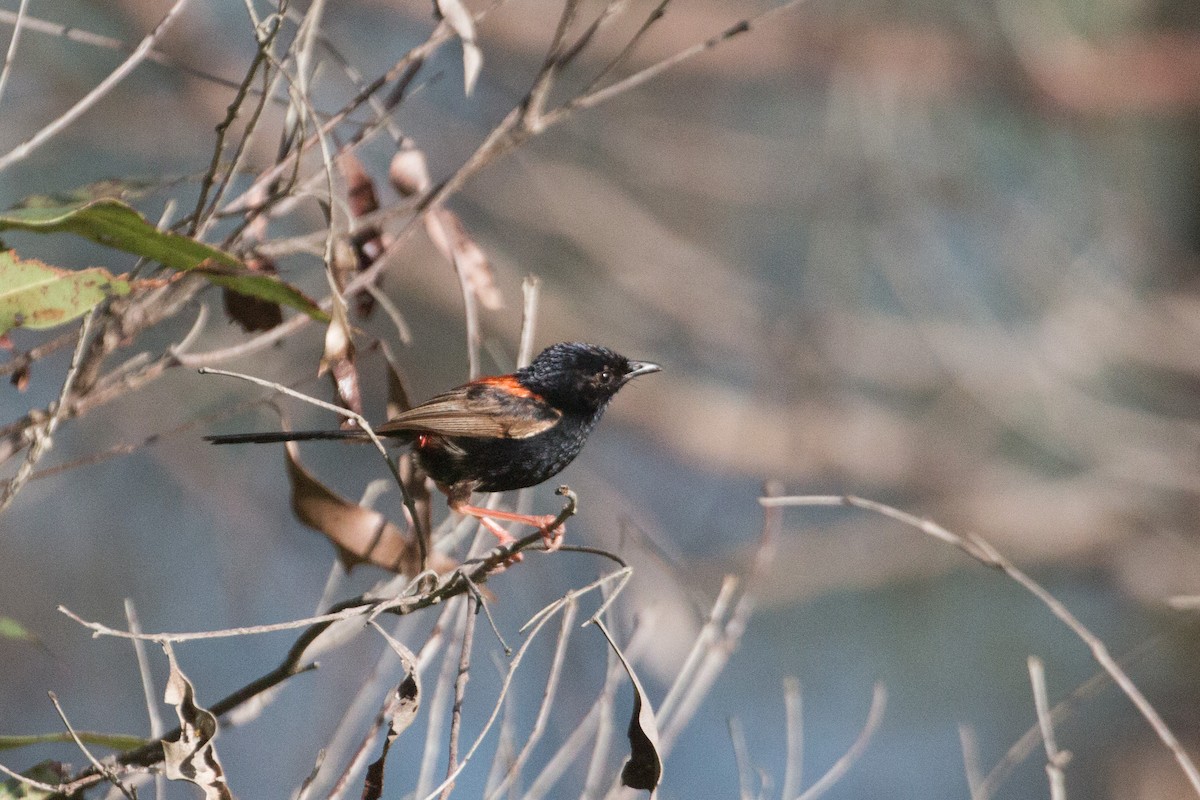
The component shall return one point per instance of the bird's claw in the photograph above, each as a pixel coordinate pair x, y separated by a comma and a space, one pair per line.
552, 538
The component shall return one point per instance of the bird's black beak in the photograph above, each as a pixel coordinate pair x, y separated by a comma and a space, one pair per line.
640, 368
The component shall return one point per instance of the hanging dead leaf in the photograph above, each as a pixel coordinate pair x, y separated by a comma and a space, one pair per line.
643, 770
253, 313
338, 358
460, 19
366, 241
360, 189
452, 241
408, 171
361, 535
20, 377
192, 757
398, 714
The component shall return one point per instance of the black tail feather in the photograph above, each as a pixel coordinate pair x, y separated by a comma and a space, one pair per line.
283, 436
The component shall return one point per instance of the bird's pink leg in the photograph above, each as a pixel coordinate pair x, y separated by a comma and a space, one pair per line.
552, 538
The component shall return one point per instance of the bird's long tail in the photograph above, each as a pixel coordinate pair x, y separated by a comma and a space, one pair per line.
284, 436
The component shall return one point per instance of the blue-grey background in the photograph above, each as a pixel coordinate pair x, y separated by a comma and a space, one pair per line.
941, 254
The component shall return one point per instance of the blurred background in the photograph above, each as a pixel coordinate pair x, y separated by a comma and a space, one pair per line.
938, 253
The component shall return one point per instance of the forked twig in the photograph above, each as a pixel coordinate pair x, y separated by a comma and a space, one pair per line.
987, 555
43, 434
1056, 759
123, 70
848, 759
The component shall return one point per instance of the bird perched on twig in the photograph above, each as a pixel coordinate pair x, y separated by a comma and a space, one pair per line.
502, 432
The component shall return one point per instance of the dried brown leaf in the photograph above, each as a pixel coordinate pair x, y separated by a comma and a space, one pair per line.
446, 231
367, 241
399, 713
20, 377
360, 189
192, 757
643, 770
361, 535
253, 313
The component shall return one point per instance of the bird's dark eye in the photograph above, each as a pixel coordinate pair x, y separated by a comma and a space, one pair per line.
606, 376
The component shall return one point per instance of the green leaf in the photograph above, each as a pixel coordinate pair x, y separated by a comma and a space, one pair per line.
48, 772
114, 224
263, 286
36, 295
11, 629
115, 188
113, 741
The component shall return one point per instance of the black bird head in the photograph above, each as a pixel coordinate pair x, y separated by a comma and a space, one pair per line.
580, 378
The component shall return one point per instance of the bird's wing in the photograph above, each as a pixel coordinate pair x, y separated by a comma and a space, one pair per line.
488, 408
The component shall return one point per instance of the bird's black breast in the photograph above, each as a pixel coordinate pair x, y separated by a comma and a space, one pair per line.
503, 464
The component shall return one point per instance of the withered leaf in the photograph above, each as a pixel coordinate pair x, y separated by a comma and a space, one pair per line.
367, 241
446, 231
643, 770
460, 19
360, 189
253, 313
192, 757
398, 714
361, 535
408, 171
20, 377
338, 358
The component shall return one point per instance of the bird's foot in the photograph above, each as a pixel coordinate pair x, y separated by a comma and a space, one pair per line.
503, 539
552, 537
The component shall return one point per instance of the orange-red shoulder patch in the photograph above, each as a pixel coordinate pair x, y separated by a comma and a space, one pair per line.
507, 383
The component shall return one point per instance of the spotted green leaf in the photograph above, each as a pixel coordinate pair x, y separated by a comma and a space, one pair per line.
114, 224
36, 295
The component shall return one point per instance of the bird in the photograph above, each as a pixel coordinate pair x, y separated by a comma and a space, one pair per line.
501, 432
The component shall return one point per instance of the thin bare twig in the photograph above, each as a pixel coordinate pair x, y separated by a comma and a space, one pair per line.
460, 690
595, 98
80, 36
260, 61
1024, 746
23, 360
54, 789
123, 70
438, 705
567, 623
793, 712
18, 24
987, 555
848, 759
43, 434
741, 758
531, 291
970, 751
1056, 759
150, 695
83, 748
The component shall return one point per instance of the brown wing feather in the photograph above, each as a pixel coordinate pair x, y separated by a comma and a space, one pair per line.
482, 409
